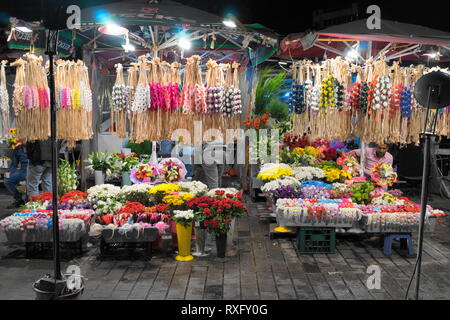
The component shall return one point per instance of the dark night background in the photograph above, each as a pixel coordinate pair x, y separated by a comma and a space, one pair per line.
282, 16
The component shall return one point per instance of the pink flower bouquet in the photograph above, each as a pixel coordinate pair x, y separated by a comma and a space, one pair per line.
383, 175
145, 173
172, 170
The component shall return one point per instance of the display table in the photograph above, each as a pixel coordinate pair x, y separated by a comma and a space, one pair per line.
121, 238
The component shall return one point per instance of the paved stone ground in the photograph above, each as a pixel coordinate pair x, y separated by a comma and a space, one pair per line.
261, 268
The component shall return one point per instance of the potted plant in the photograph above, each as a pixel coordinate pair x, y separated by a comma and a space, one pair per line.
217, 217
127, 163
202, 210
103, 164
184, 219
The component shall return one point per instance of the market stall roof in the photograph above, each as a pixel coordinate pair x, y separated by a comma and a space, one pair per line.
399, 36
155, 26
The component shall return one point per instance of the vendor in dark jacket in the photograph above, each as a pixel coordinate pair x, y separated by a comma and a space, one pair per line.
17, 172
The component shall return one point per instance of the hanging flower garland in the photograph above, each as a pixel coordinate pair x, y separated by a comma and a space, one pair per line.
120, 103
4, 99
31, 99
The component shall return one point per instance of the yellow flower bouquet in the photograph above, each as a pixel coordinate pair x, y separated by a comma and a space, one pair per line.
177, 199
274, 173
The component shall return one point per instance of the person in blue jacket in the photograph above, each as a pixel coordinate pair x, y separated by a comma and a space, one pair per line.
17, 172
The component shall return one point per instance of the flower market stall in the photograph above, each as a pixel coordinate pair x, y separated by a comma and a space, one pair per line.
317, 187
158, 203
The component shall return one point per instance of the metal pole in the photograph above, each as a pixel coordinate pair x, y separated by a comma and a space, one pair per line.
51, 47
424, 196
423, 206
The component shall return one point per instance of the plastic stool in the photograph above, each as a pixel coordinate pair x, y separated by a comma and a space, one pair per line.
388, 243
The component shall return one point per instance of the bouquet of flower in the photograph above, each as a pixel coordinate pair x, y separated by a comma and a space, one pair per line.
313, 192
103, 192
45, 197
184, 217
383, 175
145, 173
349, 164
106, 162
215, 214
386, 198
34, 205
74, 196
340, 191
67, 177
177, 199
361, 193
195, 187
127, 162
106, 206
225, 193
158, 192
319, 142
284, 192
296, 156
282, 182
12, 140
271, 172
295, 141
136, 193
308, 173
172, 169
132, 208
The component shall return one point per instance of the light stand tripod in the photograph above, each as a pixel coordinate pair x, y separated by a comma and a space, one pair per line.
432, 91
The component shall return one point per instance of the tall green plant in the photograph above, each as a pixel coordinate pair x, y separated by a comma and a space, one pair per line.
268, 89
67, 177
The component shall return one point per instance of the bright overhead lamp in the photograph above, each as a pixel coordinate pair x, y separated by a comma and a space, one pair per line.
352, 54
433, 55
24, 29
184, 44
113, 29
229, 23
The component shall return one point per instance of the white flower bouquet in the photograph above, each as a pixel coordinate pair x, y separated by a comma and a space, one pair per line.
308, 173
184, 217
195, 187
281, 182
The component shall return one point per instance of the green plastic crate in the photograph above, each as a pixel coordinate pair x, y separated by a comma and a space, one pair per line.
316, 240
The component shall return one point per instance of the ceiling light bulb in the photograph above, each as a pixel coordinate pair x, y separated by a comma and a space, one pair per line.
113, 29
352, 55
229, 23
184, 44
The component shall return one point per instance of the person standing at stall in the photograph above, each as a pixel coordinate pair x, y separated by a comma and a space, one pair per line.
39, 168
374, 156
17, 172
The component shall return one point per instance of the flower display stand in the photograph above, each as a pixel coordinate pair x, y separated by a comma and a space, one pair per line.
99, 177
200, 242
221, 245
430, 225
126, 181
119, 238
37, 242
184, 234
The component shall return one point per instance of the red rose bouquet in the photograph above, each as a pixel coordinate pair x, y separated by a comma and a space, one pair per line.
74, 196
